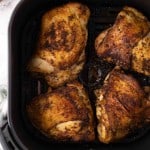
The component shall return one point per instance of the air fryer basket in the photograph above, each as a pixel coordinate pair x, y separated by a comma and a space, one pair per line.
23, 31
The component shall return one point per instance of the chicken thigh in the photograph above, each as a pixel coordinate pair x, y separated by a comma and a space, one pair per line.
141, 56
60, 77
120, 106
115, 44
64, 114
61, 43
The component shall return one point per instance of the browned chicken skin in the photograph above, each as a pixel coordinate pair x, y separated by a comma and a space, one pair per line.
120, 107
61, 43
62, 76
141, 56
63, 114
115, 44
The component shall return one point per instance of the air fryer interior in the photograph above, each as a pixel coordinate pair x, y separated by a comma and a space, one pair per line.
24, 28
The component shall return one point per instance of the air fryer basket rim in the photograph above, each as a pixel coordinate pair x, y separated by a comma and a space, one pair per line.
18, 20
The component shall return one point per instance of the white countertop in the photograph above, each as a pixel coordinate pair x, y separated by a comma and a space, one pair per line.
6, 9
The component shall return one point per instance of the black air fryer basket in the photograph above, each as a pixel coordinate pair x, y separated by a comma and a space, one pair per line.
17, 132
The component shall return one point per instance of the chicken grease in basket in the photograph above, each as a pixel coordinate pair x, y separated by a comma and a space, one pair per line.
60, 52
127, 42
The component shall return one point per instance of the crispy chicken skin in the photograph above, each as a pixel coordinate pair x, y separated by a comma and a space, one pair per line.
58, 78
63, 114
100, 38
141, 56
117, 43
62, 40
120, 106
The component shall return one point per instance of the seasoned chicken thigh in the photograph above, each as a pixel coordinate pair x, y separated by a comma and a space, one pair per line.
100, 38
63, 114
62, 76
61, 43
115, 44
120, 107
141, 56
